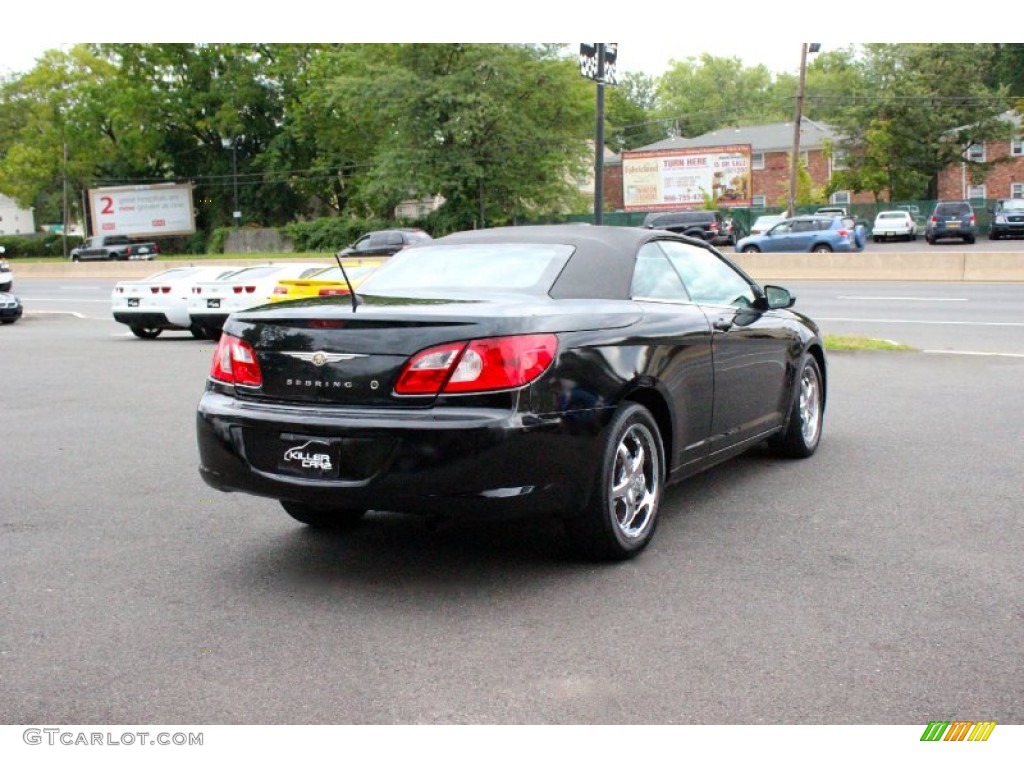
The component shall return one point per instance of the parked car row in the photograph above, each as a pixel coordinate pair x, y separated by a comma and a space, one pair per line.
200, 299
831, 229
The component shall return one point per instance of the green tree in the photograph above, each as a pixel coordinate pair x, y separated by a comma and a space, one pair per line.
498, 130
631, 119
700, 95
921, 107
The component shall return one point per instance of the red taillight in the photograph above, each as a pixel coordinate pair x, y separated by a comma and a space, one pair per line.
972, 218
165, 289
154, 289
280, 290
481, 365
935, 219
236, 288
250, 289
333, 292
196, 289
844, 232
234, 362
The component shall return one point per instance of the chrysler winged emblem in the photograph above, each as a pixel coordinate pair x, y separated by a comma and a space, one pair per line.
320, 359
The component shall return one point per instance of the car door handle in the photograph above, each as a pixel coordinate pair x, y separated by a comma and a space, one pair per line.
722, 324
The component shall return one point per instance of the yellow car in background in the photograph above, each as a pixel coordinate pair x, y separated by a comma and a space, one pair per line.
327, 282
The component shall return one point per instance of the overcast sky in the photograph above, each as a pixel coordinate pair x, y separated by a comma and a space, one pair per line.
649, 35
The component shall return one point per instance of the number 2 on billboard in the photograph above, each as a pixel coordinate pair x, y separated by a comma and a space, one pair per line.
108, 205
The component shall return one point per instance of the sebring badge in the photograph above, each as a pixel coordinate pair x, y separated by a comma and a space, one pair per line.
320, 359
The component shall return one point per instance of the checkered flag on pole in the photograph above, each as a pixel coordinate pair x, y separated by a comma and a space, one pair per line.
590, 66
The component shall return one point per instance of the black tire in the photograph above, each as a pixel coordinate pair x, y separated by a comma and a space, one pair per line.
619, 519
751, 249
803, 432
198, 332
876, 239
323, 517
929, 239
145, 333
969, 240
9, 320
993, 235
821, 248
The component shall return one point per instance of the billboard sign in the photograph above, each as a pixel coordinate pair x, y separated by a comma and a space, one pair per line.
149, 210
671, 179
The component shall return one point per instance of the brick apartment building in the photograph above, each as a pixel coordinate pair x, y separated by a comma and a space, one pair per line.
770, 149
1002, 175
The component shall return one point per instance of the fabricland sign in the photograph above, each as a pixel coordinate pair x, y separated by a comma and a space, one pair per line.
670, 179
150, 210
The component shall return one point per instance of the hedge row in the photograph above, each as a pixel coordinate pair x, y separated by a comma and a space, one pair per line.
326, 235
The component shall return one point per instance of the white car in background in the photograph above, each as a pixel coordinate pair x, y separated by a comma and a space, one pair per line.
160, 302
6, 275
894, 224
763, 223
210, 302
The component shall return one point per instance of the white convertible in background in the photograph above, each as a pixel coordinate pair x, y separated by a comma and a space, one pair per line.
160, 302
210, 302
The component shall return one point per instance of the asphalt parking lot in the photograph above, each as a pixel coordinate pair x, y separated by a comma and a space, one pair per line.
878, 582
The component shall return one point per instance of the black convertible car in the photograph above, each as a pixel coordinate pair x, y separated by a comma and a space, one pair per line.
552, 370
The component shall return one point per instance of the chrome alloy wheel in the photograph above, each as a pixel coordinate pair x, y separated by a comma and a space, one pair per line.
635, 481
810, 404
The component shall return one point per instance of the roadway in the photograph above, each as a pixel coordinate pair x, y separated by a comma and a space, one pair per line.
939, 317
879, 582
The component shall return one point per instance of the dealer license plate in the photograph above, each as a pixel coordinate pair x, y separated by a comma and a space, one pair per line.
213, 303
306, 456
133, 302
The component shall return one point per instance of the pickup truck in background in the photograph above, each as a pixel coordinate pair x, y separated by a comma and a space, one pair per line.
114, 248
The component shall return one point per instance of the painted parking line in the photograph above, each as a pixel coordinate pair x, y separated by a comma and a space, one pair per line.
34, 312
898, 298
915, 322
970, 354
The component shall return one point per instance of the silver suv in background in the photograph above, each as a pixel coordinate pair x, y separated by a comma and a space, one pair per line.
951, 219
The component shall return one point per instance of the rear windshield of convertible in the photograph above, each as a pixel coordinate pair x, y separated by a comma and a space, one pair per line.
519, 267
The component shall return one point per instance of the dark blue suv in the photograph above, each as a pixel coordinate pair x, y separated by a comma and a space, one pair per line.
1007, 218
951, 219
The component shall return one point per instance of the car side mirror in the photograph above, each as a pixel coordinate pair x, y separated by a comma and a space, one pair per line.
778, 298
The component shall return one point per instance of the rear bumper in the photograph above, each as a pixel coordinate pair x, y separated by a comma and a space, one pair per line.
208, 321
462, 462
148, 320
1010, 229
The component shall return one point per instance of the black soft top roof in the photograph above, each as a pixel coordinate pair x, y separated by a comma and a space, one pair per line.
602, 263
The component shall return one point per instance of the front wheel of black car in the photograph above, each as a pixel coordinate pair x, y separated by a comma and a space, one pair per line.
323, 517
803, 433
620, 518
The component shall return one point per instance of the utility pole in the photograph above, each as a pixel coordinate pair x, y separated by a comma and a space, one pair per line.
794, 161
598, 63
599, 140
64, 207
